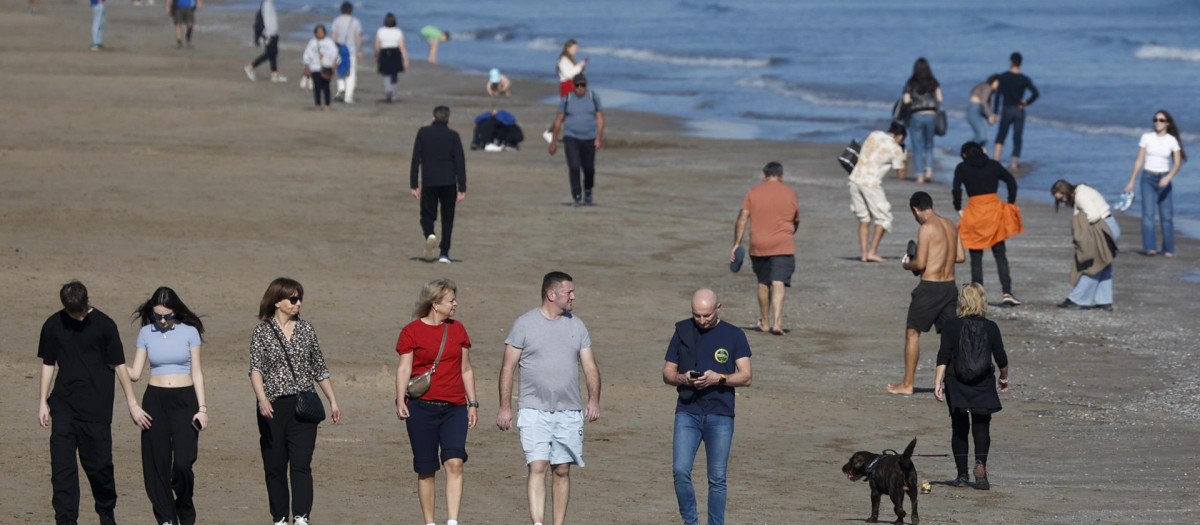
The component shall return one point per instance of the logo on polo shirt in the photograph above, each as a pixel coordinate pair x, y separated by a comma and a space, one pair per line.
721, 355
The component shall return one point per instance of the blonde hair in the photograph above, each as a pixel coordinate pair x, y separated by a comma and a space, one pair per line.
432, 292
972, 300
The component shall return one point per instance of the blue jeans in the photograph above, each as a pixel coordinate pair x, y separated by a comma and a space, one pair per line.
1097, 289
920, 133
978, 122
98, 24
1157, 201
717, 434
1012, 116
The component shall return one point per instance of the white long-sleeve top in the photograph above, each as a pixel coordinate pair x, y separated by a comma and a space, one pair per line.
568, 69
1090, 202
320, 53
270, 18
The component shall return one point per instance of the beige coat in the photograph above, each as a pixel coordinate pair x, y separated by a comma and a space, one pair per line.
1095, 248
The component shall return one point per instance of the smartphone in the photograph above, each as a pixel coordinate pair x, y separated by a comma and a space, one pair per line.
196, 425
694, 374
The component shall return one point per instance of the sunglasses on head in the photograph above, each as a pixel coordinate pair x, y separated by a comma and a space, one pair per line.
158, 317
1161, 120
295, 299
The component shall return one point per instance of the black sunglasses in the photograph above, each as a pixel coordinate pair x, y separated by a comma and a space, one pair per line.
1161, 120
295, 299
168, 317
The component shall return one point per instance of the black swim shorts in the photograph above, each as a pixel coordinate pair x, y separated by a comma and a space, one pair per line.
932, 304
770, 268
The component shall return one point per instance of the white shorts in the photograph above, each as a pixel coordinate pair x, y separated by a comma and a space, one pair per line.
870, 204
556, 437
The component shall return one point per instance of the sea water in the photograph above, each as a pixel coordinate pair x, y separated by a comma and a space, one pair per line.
829, 71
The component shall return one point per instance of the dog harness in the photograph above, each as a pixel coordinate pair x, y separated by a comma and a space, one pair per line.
871, 467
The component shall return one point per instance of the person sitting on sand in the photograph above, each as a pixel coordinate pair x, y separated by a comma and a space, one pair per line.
880, 151
432, 36
935, 298
773, 210
498, 84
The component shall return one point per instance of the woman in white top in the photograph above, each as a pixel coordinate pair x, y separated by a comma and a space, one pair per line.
1156, 151
1096, 290
391, 56
320, 57
568, 68
170, 339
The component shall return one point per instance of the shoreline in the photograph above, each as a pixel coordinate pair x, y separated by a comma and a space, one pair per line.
142, 166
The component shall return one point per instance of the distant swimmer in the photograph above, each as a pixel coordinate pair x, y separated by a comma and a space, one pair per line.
433, 36
1011, 97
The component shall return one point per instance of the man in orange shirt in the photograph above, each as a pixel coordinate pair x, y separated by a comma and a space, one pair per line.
774, 213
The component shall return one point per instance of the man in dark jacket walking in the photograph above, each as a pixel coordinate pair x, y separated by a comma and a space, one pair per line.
444, 180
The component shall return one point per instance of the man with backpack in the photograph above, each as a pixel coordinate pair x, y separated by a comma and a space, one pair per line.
581, 120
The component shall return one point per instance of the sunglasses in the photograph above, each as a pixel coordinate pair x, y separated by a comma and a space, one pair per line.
580, 85
1161, 120
168, 317
295, 299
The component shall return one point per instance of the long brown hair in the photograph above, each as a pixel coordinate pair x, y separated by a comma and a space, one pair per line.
564, 53
280, 289
1065, 188
1173, 130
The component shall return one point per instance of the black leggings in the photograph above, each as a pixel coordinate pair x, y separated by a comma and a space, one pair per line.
978, 425
320, 85
269, 53
1001, 256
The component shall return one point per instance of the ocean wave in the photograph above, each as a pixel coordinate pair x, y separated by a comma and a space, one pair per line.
1160, 52
1102, 129
659, 57
817, 98
495, 34
706, 7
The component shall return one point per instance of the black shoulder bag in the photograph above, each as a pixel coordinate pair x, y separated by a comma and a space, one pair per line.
308, 404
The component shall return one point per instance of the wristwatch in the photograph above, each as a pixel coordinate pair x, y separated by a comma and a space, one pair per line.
722, 381
473, 404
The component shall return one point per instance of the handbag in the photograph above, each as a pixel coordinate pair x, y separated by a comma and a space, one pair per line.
901, 111
849, 157
939, 124
419, 385
308, 405
326, 73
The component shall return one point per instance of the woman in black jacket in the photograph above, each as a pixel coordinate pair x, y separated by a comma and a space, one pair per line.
969, 344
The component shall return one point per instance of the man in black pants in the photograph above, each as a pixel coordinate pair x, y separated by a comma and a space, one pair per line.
85, 346
1011, 96
440, 150
581, 120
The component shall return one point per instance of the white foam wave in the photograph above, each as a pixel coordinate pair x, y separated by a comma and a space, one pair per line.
1160, 52
816, 98
658, 57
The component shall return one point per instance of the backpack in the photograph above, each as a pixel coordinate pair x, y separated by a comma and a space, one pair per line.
973, 362
259, 27
849, 156
567, 103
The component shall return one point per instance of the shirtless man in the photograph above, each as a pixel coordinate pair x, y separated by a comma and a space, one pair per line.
936, 297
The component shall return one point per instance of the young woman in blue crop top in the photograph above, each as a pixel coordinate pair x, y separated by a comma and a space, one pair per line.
170, 339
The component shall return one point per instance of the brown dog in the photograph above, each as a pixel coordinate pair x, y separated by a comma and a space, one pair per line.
889, 474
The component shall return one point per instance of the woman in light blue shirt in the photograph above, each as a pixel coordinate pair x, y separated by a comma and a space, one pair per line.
170, 339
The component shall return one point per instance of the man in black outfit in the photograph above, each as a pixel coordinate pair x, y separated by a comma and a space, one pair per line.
444, 180
85, 346
1011, 95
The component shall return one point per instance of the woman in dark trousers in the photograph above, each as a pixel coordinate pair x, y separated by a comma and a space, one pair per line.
441, 417
287, 442
972, 401
986, 222
170, 339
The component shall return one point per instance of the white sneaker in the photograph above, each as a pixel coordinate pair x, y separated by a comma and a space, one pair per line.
250, 73
430, 244
547, 136
349, 101
300, 520
279, 78
493, 147
444, 259
281, 522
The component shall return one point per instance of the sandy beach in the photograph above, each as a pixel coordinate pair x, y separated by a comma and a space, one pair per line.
142, 166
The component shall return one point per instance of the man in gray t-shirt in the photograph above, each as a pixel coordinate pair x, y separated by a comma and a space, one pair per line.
347, 31
581, 119
549, 344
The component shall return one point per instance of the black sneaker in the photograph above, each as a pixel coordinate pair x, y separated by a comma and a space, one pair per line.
1105, 307
1067, 303
587, 198
577, 201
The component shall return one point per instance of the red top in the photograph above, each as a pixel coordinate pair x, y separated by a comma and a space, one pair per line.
422, 340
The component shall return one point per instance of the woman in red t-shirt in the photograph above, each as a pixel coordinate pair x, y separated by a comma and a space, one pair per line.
442, 416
